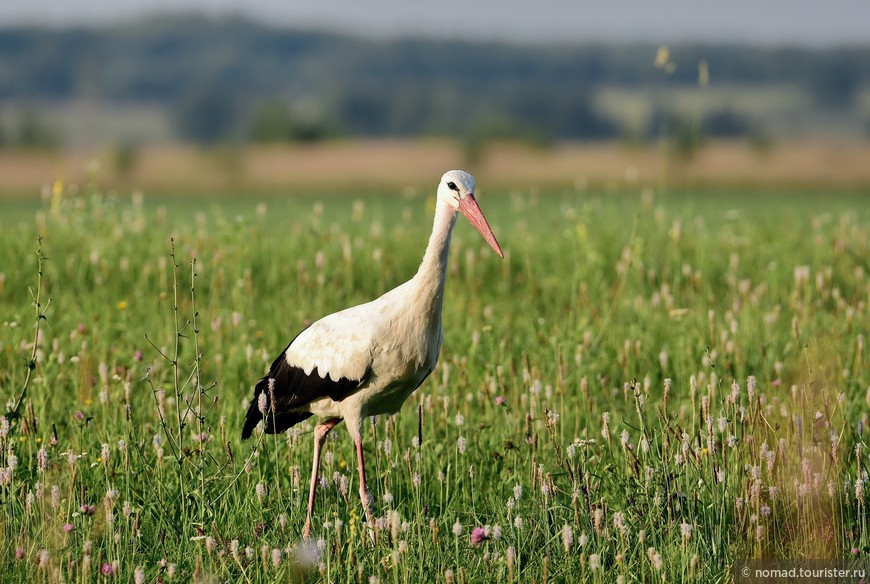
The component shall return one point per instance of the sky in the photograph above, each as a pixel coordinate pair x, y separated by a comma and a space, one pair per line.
768, 22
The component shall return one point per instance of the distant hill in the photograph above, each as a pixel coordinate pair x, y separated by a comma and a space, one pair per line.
223, 78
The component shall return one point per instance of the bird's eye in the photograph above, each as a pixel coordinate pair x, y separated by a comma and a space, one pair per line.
452, 186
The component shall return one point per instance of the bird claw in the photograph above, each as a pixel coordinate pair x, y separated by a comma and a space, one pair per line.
367, 498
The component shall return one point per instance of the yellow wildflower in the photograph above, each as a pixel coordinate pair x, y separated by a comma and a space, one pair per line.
663, 55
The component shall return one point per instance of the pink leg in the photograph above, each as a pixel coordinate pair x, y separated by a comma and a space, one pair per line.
320, 433
364, 493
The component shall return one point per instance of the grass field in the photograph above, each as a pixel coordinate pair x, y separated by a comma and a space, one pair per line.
648, 387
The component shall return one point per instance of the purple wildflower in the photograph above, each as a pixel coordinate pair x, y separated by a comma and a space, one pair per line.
479, 535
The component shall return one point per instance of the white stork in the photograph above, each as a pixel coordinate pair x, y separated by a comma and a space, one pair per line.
366, 360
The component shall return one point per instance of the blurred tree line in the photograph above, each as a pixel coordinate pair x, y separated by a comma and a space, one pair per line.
232, 79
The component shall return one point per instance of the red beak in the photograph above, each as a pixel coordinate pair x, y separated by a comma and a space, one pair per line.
469, 207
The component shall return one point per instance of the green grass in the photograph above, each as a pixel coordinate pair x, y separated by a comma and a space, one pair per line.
552, 378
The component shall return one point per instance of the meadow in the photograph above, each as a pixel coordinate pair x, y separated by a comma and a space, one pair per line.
649, 387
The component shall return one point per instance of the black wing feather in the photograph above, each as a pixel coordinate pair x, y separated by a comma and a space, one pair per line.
292, 389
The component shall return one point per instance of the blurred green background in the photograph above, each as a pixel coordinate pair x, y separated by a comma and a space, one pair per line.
217, 86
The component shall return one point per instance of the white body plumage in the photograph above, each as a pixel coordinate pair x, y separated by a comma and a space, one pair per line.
389, 343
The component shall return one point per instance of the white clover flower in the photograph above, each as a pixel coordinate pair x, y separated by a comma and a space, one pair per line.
686, 530
567, 537
594, 562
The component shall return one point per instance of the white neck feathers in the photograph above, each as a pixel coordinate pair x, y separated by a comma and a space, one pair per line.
430, 277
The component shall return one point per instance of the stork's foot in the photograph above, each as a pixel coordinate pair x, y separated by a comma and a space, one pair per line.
367, 501
320, 433
364, 493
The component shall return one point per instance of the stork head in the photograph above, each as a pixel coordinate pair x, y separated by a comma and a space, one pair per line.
457, 190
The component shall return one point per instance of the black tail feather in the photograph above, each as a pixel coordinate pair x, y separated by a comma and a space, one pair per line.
273, 422
252, 418
292, 390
